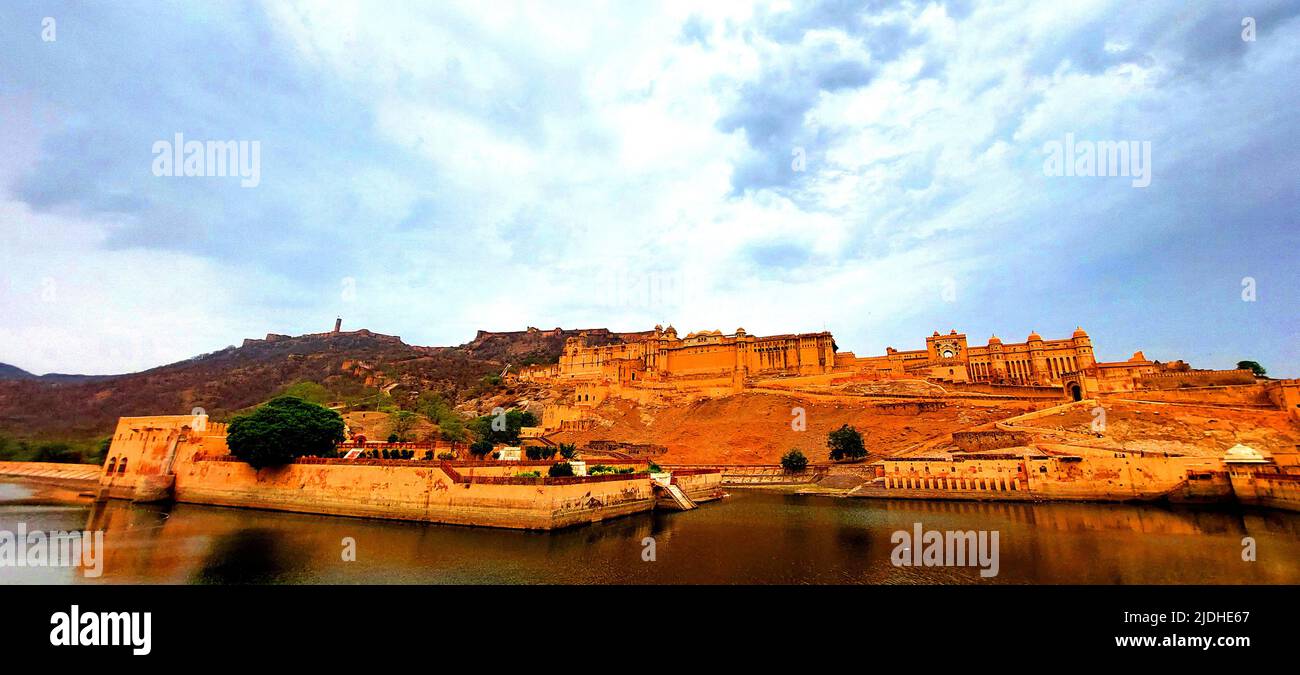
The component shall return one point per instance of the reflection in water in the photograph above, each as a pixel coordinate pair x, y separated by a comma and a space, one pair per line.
747, 538
250, 556
15, 491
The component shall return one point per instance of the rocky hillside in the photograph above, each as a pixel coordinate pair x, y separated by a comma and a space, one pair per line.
534, 346
355, 367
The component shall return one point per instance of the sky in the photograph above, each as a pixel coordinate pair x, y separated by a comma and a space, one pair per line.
876, 169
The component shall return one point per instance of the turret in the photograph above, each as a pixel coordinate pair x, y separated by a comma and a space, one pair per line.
997, 364
1038, 369
1083, 348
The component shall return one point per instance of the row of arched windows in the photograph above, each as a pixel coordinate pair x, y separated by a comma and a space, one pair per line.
120, 468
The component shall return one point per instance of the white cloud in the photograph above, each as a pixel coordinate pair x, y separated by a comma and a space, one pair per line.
535, 163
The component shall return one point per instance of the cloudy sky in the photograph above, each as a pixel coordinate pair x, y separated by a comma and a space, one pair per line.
874, 169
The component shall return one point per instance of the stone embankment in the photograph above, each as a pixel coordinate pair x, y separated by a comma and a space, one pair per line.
52, 472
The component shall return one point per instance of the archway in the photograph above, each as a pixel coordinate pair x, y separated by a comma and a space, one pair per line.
1076, 392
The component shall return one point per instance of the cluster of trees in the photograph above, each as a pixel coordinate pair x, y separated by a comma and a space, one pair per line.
451, 426
403, 416
484, 432
83, 452
499, 429
395, 453
540, 451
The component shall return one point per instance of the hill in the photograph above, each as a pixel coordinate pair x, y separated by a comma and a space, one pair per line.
8, 372
535, 346
353, 367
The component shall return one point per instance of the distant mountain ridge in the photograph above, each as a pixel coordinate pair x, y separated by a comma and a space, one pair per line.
8, 372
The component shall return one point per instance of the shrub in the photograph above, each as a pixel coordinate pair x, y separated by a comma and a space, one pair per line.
794, 461
283, 429
480, 448
529, 474
560, 469
568, 450
447, 455
605, 470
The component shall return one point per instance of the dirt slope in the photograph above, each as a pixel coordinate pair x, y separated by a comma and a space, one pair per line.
756, 428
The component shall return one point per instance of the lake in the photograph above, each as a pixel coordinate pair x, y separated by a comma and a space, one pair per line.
749, 538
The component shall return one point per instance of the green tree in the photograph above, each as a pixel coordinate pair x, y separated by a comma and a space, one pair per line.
568, 450
399, 426
560, 469
846, 443
480, 448
101, 450
503, 428
451, 426
283, 429
56, 452
307, 390
794, 461
1252, 366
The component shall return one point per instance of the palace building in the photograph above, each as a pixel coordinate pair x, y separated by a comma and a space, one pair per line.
715, 362
662, 355
950, 357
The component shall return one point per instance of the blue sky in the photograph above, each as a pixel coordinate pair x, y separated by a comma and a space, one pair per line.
431, 169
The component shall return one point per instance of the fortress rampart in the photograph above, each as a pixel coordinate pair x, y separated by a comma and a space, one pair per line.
153, 457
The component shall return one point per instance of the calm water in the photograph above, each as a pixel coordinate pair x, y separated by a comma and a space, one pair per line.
750, 537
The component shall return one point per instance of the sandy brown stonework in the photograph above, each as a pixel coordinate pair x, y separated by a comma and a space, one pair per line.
170, 454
